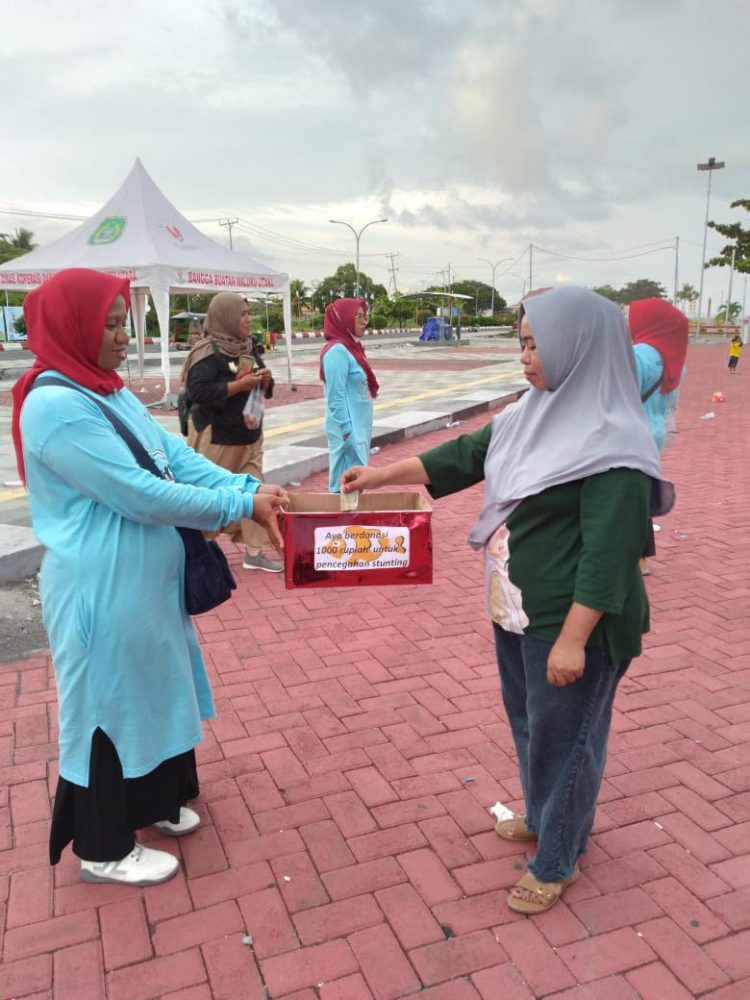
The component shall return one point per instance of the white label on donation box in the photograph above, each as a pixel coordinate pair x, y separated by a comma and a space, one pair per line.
361, 547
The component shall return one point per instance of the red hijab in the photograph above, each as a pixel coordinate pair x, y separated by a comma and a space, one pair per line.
657, 323
338, 328
65, 319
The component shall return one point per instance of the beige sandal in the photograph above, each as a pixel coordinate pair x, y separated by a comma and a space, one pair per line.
531, 896
514, 829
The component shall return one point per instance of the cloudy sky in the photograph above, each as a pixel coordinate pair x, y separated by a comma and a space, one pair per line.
477, 127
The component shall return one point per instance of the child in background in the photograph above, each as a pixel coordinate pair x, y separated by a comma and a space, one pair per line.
735, 348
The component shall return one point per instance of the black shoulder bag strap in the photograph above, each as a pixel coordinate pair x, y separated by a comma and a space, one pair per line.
140, 454
652, 389
208, 578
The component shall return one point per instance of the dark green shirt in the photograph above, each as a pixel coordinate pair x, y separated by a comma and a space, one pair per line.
580, 541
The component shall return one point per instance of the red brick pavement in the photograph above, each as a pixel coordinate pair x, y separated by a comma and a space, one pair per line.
346, 780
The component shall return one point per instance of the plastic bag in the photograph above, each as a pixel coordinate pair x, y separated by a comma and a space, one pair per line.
252, 412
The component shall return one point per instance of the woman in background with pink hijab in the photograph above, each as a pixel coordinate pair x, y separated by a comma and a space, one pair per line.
350, 387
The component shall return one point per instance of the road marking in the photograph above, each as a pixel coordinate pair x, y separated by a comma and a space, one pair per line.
401, 401
317, 421
12, 495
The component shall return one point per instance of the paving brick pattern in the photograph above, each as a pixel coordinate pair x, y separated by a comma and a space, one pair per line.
346, 851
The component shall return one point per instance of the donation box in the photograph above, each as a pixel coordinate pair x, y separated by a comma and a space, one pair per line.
387, 540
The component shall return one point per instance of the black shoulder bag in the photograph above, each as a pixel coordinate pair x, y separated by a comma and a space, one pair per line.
208, 579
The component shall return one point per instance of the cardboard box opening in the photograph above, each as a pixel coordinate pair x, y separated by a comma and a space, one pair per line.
324, 503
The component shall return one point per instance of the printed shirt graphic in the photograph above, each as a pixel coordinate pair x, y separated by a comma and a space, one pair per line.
503, 599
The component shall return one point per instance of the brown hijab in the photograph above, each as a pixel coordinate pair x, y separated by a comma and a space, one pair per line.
222, 328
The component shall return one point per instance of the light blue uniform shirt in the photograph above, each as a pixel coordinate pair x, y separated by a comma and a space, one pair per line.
659, 406
125, 654
349, 411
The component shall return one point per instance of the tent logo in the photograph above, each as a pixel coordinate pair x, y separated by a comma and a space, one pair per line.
108, 231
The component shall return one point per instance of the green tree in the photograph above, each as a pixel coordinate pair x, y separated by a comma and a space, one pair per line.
644, 288
197, 303
342, 284
608, 292
739, 245
401, 310
481, 293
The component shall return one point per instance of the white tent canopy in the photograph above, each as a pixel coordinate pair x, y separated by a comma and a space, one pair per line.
141, 236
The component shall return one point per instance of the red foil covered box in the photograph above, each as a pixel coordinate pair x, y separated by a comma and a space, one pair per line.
386, 541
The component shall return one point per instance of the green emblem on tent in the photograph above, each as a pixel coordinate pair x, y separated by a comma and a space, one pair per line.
108, 231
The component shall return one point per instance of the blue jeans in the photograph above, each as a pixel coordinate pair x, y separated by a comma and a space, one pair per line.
561, 737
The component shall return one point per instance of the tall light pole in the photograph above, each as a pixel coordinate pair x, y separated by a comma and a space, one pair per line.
524, 281
729, 293
494, 267
710, 166
357, 235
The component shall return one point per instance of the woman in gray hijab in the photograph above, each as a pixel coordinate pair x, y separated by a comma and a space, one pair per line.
568, 472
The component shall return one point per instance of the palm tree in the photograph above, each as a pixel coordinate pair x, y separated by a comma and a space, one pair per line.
17, 245
687, 294
297, 291
23, 240
734, 309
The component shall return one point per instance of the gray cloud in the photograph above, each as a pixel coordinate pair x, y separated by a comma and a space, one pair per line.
492, 121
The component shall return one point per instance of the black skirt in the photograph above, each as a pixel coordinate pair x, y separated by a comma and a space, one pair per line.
101, 820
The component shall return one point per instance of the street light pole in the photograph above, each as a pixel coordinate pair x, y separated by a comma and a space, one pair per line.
710, 166
729, 293
494, 267
512, 274
357, 236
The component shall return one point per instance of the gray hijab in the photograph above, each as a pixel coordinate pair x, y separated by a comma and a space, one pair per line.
590, 420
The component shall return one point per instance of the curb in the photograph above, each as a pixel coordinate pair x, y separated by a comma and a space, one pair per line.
20, 553
296, 471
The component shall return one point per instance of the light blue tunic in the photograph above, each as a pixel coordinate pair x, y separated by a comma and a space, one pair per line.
348, 411
659, 407
125, 654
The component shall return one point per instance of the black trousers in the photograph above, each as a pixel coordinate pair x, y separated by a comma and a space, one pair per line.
101, 820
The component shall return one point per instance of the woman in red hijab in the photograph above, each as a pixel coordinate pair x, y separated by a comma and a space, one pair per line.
660, 340
131, 683
350, 387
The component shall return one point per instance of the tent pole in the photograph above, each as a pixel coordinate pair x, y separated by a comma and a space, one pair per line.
138, 315
160, 295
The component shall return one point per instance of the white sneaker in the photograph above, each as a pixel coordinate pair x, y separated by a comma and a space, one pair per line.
143, 866
189, 821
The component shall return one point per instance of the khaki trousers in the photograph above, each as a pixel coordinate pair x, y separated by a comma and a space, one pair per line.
239, 458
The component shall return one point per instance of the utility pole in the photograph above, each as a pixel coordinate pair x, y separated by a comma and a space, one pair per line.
391, 257
229, 223
729, 293
710, 166
676, 267
531, 268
